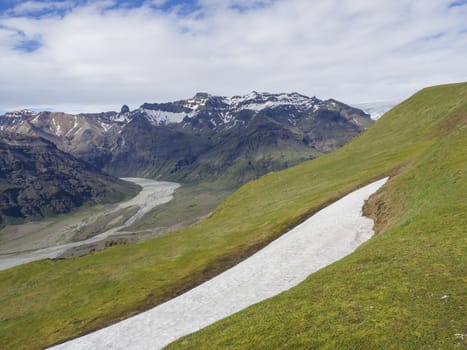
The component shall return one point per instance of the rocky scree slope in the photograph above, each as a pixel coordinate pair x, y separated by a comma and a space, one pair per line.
234, 138
37, 180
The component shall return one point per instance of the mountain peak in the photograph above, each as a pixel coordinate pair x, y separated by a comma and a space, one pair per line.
201, 96
125, 109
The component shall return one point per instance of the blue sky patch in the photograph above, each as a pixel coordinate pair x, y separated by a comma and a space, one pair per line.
458, 3
37, 8
23, 42
184, 7
435, 36
42, 8
7, 4
251, 5
28, 45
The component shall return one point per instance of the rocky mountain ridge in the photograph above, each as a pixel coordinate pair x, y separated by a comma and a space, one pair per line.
228, 112
192, 139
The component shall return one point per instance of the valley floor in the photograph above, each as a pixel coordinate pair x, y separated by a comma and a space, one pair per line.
78, 233
326, 237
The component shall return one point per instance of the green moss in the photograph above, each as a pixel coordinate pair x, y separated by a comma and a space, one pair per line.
392, 302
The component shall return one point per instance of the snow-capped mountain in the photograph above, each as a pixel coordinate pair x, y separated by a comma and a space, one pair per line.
220, 113
221, 110
201, 136
228, 107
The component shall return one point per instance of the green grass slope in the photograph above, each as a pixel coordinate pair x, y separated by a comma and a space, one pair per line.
389, 294
404, 289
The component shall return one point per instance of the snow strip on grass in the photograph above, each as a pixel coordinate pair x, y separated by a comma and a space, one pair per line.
326, 237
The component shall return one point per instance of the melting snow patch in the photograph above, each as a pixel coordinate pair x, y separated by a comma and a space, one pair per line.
105, 126
157, 117
327, 236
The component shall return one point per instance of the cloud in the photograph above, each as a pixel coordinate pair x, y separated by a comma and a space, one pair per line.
101, 54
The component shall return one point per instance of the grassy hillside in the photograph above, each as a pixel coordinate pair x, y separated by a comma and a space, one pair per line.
404, 289
389, 294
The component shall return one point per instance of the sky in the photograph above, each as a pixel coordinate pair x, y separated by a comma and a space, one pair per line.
82, 56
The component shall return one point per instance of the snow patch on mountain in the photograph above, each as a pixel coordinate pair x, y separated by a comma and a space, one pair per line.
159, 117
197, 102
259, 101
105, 126
121, 118
226, 117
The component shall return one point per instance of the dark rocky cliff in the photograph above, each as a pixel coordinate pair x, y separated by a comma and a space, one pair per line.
37, 180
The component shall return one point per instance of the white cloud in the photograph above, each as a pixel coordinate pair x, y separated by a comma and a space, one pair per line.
353, 50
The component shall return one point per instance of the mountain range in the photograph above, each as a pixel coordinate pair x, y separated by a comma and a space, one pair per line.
37, 180
228, 139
